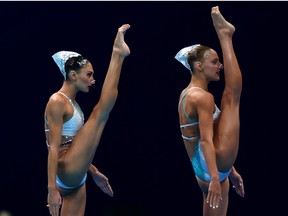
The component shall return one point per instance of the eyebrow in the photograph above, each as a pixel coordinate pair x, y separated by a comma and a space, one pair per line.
215, 59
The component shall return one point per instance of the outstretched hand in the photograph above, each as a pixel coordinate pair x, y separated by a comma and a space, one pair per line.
102, 182
120, 45
237, 183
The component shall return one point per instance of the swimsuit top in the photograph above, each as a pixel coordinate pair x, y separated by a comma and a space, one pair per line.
70, 128
193, 122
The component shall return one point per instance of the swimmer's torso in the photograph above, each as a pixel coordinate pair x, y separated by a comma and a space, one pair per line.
189, 124
73, 121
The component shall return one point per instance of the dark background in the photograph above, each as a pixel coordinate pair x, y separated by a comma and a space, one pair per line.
141, 150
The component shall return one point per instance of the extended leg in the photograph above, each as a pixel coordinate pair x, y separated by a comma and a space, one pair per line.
226, 136
74, 164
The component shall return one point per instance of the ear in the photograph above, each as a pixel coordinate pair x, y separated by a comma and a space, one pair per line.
199, 66
73, 75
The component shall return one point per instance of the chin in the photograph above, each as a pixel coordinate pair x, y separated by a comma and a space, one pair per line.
85, 90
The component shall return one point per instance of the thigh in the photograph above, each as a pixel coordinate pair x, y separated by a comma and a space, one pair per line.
74, 203
81, 153
222, 209
226, 137
74, 163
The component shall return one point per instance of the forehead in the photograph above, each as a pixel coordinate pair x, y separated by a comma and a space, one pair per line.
87, 67
212, 54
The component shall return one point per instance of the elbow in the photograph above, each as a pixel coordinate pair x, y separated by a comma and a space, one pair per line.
53, 150
207, 144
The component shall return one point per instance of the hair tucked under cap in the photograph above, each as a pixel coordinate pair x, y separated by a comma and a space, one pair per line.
182, 55
61, 57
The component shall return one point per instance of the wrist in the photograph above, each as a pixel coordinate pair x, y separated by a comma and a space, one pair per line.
232, 172
93, 170
51, 188
216, 178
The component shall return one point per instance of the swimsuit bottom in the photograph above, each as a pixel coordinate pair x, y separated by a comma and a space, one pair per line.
200, 167
61, 185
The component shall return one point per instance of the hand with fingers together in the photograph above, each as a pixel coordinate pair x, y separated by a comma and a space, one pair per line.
214, 194
237, 182
102, 182
54, 201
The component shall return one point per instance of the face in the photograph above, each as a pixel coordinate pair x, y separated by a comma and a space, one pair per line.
212, 66
85, 78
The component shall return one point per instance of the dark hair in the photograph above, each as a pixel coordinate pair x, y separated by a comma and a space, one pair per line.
197, 54
75, 63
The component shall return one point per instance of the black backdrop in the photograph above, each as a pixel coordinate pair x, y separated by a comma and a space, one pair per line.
141, 150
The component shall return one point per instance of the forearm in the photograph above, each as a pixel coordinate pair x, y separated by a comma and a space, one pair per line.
210, 158
52, 168
233, 171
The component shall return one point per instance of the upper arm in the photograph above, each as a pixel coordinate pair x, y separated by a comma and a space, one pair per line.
55, 111
205, 110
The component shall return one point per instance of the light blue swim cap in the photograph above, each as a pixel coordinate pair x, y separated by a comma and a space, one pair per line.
182, 55
61, 57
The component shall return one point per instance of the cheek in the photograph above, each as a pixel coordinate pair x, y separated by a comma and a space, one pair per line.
84, 80
210, 67
213, 67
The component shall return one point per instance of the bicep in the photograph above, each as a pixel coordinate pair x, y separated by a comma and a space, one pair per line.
54, 116
205, 111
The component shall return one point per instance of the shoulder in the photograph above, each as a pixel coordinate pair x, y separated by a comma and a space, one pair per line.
200, 96
56, 102
57, 98
203, 100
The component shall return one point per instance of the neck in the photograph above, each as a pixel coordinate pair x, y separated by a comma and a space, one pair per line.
199, 83
68, 90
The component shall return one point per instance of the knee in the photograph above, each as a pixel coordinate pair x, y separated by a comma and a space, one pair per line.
231, 96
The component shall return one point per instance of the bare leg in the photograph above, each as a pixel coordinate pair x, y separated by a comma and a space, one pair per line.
226, 136
222, 208
74, 164
226, 133
74, 203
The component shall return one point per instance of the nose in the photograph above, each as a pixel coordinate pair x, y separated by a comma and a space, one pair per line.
220, 66
93, 82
